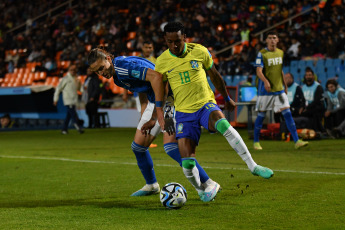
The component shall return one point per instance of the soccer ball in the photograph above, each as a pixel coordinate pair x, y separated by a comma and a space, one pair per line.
173, 195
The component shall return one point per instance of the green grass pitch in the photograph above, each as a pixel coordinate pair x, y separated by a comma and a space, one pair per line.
54, 181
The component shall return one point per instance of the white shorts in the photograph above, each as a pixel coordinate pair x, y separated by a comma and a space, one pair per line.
267, 102
169, 112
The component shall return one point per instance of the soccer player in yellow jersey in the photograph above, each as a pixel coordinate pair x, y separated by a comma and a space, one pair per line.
147, 51
272, 89
185, 65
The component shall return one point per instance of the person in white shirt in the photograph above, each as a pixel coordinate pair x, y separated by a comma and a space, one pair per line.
69, 86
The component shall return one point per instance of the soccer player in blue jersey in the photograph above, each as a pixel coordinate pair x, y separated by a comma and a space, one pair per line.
272, 89
137, 75
185, 66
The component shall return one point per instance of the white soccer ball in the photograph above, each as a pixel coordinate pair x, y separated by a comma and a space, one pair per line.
173, 195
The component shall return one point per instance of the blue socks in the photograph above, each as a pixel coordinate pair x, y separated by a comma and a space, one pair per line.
258, 125
145, 163
172, 150
290, 123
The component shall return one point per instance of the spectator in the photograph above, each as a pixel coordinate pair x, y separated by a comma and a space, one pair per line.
91, 93
147, 51
293, 50
315, 108
297, 103
106, 95
69, 86
335, 98
6, 122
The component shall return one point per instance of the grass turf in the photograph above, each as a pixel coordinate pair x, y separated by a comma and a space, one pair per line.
54, 181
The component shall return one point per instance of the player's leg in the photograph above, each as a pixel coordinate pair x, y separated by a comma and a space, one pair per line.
257, 128
140, 146
188, 134
263, 102
187, 147
282, 104
74, 118
66, 122
218, 122
172, 149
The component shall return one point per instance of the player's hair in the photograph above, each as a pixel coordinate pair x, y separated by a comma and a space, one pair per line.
149, 42
308, 69
173, 27
293, 78
96, 54
331, 82
272, 32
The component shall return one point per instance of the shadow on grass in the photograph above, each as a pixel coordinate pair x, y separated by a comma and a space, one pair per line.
131, 203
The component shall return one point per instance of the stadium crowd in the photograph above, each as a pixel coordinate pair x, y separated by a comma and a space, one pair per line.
123, 26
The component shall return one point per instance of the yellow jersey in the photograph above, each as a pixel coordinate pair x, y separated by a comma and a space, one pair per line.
187, 77
151, 58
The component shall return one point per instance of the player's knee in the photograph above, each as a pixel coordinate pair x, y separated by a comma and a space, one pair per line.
138, 148
222, 125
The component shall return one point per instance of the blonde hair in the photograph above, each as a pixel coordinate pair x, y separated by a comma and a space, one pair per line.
97, 53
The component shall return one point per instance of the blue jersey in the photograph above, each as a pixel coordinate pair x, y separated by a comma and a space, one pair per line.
130, 73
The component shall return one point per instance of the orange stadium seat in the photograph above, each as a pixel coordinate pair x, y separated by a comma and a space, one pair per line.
188, 40
129, 45
234, 26
88, 48
55, 81
131, 35
82, 78
48, 81
138, 20
36, 76
220, 28
57, 56
8, 77
237, 49
134, 53
63, 64
123, 11
30, 79
20, 77
43, 75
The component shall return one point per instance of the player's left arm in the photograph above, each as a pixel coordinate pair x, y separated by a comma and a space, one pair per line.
218, 82
285, 85
156, 80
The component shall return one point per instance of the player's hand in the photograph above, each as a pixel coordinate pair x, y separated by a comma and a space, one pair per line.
267, 86
55, 103
146, 128
327, 113
230, 106
300, 111
160, 117
169, 126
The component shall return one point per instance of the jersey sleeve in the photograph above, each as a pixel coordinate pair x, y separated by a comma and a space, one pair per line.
259, 61
207, 58
136, 71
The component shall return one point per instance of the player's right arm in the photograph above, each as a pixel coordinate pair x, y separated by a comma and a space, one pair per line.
156, 81
58, 90
259, 64
262, 77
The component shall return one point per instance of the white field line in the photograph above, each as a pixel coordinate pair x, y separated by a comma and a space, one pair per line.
159, 165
